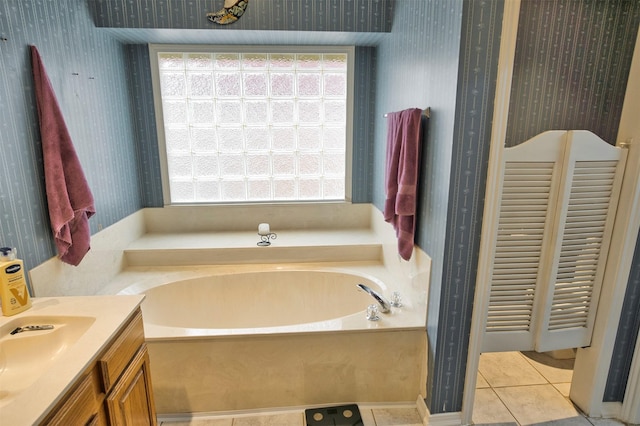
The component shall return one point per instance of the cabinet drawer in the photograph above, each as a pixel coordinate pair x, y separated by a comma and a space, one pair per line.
118, 356
83, 405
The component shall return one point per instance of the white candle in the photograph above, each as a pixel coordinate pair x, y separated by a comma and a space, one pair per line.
263, 229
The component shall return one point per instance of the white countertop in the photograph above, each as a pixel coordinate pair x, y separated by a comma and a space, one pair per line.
110, 312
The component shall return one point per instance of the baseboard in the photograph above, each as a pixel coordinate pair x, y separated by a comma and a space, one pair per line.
185, 417
611, 410
445, 419
441, 419
421, 406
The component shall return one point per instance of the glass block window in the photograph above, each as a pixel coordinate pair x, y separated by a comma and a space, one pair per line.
253, 126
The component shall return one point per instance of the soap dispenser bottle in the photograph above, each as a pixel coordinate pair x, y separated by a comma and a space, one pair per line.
13, 285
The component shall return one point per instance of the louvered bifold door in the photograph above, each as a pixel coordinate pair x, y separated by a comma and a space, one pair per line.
532, 171
592, 173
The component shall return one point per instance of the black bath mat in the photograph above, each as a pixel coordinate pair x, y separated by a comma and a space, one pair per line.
342, 415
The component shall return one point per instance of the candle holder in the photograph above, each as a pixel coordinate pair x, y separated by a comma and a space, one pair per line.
265, 239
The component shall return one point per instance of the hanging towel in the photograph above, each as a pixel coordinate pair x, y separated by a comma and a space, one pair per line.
401, 175
69, 198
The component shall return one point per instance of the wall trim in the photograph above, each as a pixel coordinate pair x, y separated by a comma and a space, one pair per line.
442, 419
587, 389
611, 410
630, 128
630, 409
588, 386
422, 408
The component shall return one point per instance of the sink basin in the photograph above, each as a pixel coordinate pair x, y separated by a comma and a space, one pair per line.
25, 356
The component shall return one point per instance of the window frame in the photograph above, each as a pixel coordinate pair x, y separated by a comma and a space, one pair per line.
154, 49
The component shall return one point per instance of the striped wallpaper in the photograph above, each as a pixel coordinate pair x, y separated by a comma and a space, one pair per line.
437, 53
144, 121
88, 72
278, 15
571, 67
417, 68
443, 54
479, 51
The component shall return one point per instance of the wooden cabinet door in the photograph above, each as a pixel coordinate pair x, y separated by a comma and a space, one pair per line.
131, 400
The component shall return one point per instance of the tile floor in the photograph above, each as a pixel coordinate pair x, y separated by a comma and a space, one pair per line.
527, 388
394, 416
514, 389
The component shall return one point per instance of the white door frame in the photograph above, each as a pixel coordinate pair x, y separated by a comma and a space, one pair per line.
629, 132
590, 382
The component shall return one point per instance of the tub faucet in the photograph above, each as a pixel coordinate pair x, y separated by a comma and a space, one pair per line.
384, 303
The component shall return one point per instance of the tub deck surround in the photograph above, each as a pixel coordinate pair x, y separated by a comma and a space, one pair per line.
241, 247
337, 360
200, 235
265, 372
411, 316
199, 366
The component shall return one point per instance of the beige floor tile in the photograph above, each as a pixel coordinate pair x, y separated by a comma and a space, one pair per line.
573, 421
367, 417
481, 383
563, 388
496, 424
605, 422
397, 417
200, 422
508, 369
540, 404
554, 370
288, 419
488, 409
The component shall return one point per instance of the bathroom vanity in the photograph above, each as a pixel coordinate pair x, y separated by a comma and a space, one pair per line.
90, 367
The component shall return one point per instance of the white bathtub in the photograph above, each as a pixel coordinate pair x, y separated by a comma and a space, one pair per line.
259, 299
266, 336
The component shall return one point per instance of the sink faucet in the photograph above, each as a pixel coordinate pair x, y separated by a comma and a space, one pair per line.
384, 303
32, 328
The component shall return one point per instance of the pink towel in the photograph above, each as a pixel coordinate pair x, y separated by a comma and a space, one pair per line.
401, 176
68, 196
